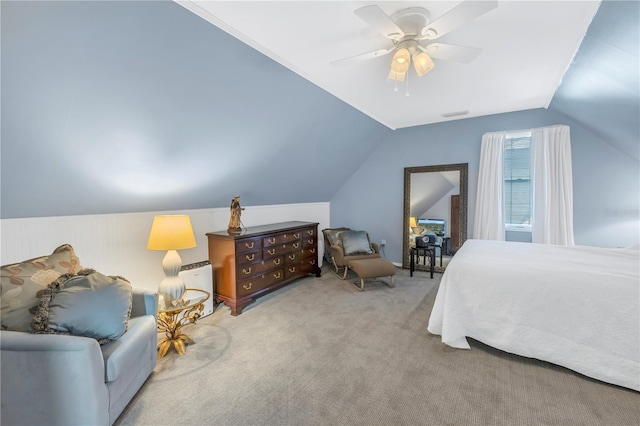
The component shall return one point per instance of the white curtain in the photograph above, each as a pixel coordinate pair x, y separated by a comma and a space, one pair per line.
488, 223
552, 186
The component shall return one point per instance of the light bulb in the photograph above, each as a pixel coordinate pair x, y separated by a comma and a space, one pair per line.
400, 61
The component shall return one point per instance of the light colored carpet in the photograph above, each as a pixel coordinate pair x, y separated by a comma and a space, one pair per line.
318, 352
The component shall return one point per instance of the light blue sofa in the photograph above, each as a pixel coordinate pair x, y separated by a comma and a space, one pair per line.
69, 380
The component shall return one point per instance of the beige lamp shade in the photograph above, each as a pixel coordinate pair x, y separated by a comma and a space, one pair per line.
422, 64
397, 76
412, 222
171, 233
401, 59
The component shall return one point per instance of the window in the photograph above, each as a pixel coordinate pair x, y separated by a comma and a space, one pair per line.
518, 205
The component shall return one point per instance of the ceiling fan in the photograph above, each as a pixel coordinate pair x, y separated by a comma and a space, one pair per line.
411, 31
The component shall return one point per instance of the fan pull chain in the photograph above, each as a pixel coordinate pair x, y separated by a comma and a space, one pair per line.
407, 94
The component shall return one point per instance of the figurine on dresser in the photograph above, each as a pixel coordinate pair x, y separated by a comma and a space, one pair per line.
236, 211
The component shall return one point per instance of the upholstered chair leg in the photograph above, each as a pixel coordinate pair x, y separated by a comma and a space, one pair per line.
361, 286
342, 274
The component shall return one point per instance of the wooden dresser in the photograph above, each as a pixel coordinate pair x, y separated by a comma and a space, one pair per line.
261, 259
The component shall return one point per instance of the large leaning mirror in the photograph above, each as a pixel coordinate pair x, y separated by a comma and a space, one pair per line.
435, 203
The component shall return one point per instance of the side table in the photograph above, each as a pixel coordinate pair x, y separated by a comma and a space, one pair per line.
415, 258
171, 320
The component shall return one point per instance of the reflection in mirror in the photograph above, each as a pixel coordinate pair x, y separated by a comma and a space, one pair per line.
435, 204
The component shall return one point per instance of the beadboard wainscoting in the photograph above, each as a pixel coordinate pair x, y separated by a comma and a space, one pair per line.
115, 244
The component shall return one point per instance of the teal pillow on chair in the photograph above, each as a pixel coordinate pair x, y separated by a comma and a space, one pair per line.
356, 242
89, 304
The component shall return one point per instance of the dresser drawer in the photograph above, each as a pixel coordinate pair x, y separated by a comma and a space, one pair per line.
249, 244
310, 252
273, 251
309, 241
299, 269
250, 269
259, 282
309, 232
248, 257
293, 257
278, 239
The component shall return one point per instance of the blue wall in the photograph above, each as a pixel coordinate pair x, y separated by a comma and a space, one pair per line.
605, 180
112, 107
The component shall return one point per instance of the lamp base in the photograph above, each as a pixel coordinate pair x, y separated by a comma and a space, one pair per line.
172, 287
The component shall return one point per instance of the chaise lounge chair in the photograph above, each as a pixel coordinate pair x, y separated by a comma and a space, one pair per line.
347, 249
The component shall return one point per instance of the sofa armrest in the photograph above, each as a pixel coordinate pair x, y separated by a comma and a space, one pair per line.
52, 379
375, 247
140, 340
144, 302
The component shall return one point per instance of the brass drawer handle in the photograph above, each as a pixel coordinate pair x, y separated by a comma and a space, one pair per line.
296, 235
249, 246
310, 232
296, 245
247, 286
292, 269
313, 250
276, 261
245, 271
310, 241
292, 257
271, 251
313, 262
277, 275
250, 257
271, 240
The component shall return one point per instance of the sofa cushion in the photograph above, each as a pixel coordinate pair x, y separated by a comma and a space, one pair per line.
333, 236
21, 282
122, 355
89, 304
355, 242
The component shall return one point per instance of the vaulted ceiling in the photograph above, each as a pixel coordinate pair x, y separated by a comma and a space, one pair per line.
527, 48
606, 71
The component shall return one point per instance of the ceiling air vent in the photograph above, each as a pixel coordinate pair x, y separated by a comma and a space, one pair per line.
454, 114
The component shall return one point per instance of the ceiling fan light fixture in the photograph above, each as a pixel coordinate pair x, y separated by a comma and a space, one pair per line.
397, 76
429, 33
422, 64
400, 61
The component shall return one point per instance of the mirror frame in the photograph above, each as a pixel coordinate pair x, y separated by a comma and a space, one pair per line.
463, 168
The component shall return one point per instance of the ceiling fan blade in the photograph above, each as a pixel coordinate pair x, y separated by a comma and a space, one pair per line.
362, 57
449, 52
459, 15
380, 21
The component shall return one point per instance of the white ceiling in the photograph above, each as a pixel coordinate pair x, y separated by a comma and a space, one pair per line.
527, 47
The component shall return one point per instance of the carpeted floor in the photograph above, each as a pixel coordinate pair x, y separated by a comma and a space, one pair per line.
318, 352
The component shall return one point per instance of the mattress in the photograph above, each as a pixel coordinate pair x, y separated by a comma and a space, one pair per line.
577, 306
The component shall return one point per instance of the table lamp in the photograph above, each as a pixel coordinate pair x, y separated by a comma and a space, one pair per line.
413, 224
171, 233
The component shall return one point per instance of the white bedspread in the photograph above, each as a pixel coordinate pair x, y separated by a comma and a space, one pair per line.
577, 307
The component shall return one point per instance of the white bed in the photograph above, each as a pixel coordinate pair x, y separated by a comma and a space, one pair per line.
577, 307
